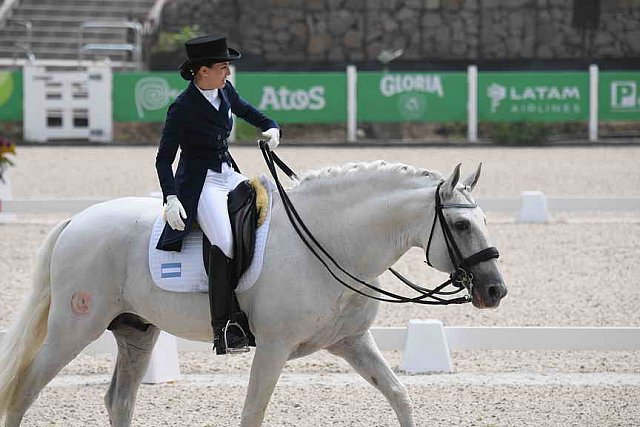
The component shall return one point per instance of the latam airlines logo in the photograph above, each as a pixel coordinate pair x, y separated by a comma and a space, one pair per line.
535, 99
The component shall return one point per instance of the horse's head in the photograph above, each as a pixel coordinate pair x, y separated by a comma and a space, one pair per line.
459, 243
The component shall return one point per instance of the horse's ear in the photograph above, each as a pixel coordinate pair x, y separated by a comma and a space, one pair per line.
472, 179
450, 183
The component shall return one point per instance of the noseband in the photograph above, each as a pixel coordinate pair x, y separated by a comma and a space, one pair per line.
461, 279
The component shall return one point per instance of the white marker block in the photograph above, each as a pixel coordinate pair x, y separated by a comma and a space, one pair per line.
533, 207
426, 348
164, 366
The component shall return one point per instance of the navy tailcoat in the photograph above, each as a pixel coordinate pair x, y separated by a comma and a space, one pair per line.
201, 132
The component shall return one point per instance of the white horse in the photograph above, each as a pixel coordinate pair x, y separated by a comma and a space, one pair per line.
93, 269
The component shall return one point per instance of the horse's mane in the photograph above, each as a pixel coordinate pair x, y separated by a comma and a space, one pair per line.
365, 170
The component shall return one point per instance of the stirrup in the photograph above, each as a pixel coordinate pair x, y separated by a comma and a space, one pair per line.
236, 350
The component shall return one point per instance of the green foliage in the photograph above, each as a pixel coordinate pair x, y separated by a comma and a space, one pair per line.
170, 42
520, 133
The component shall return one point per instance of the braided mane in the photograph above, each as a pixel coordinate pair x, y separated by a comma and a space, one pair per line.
366, 170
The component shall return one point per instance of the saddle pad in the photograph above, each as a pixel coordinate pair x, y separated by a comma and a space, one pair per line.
184, 271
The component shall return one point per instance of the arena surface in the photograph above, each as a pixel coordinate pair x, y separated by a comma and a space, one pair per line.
580, 269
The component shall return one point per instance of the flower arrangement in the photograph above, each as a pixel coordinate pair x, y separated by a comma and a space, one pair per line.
6, 147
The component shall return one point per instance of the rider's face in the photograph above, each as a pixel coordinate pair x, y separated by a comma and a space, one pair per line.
213, 77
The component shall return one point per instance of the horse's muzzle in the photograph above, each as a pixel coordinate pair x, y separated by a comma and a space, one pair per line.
488, 295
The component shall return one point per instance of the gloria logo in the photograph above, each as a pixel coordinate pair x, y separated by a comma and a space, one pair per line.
153, 93
6, 87
624, 95
394, 84
284, 99
535, 99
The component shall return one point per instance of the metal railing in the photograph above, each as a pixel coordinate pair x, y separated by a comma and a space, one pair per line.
134, 47
5, 11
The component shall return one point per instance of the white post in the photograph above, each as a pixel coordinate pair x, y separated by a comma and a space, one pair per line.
472, 105
232, 79
426, 348
593, 103
34, 121
100, 87
352, 103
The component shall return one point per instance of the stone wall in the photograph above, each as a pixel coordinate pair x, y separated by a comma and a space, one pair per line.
356, 31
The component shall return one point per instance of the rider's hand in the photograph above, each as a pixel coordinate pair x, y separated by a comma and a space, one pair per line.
173, 211
272, 136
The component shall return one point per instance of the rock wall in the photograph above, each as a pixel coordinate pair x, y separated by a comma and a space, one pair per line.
356, 31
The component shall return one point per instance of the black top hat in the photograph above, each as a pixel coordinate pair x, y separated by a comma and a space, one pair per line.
210, 48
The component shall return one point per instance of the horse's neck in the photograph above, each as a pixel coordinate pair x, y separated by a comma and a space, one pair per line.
365, 230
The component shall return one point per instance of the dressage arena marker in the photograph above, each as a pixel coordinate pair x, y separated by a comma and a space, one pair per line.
164, 360
533, 207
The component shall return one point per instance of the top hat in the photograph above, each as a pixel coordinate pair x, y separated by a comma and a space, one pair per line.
210, 48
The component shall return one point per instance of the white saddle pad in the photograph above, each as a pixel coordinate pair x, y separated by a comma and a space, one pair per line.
184, 271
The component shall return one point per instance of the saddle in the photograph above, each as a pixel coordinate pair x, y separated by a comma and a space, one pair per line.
247, 205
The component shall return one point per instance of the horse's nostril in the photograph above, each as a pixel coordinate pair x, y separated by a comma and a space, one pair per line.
495, 292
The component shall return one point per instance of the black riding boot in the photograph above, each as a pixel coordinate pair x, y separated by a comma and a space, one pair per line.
228, 336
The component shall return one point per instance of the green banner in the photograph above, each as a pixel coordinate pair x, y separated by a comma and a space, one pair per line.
144, 97
619, 96
11, 95
296, 97
533, 96
412, 97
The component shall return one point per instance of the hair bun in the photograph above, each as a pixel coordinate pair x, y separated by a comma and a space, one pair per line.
186, 70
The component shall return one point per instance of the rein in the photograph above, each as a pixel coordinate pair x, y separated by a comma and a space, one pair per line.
460, 279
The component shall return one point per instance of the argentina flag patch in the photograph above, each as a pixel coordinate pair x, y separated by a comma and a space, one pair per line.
170, 269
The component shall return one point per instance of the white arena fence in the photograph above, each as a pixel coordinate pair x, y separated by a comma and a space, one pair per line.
426, 344
531, 206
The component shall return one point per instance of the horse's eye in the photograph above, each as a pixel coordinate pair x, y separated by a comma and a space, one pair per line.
462, 225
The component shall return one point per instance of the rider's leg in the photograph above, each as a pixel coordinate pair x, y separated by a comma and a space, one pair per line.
213, 218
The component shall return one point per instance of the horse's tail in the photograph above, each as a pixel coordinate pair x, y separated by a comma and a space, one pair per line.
27, 333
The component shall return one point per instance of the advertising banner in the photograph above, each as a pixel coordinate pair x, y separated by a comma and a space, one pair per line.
533, 96
412, 97
296, 97
144, 97
11, 95
619, 96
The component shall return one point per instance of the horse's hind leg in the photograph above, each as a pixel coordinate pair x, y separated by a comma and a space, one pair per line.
135, 344
362, 353
63, 342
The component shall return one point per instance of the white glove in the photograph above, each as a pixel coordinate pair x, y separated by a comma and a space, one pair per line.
173, 210
273, 137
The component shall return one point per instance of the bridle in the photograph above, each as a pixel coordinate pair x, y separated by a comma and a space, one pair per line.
460, 279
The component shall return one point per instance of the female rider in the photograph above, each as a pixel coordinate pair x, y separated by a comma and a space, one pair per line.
199, 121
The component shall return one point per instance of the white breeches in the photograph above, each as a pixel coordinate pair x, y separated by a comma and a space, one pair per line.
213, 215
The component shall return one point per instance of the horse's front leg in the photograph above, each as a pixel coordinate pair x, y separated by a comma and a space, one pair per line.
265, 371
362, 353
